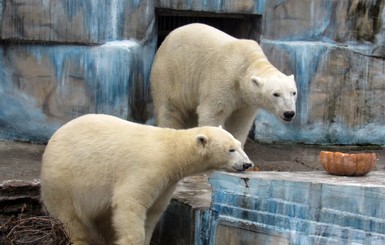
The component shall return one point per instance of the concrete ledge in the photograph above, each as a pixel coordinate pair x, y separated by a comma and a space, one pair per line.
19, 197
298, 208
268, 207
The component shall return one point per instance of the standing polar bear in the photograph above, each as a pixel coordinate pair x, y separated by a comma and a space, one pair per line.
101, 173
202, 76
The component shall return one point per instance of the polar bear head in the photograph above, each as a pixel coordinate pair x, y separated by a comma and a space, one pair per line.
279, 93
221, 150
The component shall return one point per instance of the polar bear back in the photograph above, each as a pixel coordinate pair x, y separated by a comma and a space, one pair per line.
191, 46
205, 37
90, 137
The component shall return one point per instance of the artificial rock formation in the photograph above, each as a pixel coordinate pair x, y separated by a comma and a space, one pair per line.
61, 59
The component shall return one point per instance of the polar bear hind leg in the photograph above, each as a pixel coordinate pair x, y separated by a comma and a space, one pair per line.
209, 116
65, 212
168, 116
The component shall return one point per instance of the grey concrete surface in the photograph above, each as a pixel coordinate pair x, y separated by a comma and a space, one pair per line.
21, 161
292, 157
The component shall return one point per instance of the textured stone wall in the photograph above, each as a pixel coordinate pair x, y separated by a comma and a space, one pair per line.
336, 51
85, 22
45, 86
61, 59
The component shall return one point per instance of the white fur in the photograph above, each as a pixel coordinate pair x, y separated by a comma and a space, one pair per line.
103, 173
202, 76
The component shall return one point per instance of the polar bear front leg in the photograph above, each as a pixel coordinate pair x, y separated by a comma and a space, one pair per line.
156, 211
128, 218
129, 224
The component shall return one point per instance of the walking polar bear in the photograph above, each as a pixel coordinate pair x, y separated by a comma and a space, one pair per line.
202, 76
106, 174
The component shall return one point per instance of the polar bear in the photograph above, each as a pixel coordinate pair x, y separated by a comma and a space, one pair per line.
102, 173
202, 76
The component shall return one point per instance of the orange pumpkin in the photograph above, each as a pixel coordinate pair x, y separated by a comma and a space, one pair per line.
344, 164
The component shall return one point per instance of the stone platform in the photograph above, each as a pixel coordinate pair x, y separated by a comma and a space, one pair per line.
297, 208
307, 206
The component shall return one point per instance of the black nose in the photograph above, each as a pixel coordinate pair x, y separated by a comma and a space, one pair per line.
289, 114
247, 165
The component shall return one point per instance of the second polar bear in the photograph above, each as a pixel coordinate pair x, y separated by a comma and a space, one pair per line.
202, 76
103, 173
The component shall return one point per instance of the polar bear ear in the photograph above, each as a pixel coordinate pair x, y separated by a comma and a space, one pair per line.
220, 126
202, 139
257, 80
291, 76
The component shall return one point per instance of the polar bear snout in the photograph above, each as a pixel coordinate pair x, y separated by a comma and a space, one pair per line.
288, 115
247, 165
242, 166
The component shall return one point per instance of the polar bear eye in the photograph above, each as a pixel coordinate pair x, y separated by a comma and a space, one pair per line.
231, 150
276, 94
294, 93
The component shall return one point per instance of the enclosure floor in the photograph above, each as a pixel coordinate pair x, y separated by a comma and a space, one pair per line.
20, 166
21, 161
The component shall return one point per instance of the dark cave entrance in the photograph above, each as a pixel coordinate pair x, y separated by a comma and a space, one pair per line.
246, 26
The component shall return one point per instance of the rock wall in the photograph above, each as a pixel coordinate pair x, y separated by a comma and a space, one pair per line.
61, 59
82, 22
44, 86
336, 51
